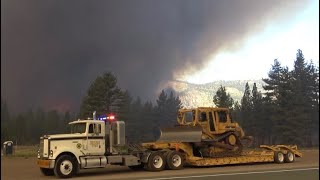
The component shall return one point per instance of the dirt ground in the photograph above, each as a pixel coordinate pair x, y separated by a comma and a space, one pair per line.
16, 168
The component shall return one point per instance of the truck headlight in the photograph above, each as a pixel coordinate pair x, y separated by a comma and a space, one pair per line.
51, 153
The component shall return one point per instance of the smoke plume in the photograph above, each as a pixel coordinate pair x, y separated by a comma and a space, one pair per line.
52, 50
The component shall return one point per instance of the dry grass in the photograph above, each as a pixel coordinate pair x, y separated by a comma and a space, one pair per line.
25, 151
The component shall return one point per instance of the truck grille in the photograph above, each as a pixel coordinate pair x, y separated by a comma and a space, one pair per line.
41, 147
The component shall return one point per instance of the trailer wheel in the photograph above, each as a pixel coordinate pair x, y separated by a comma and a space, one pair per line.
156, 162
278, 157
289, 157
65, 167
47, 172
175, 160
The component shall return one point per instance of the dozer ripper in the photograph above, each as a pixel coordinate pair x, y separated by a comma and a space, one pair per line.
211, 132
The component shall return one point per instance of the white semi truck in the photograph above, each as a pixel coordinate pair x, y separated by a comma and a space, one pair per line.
97, 143
91, 144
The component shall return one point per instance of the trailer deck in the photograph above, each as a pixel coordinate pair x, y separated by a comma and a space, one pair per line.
265, 153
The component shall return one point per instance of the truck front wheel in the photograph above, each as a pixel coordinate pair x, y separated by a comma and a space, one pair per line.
65, 167
156, 162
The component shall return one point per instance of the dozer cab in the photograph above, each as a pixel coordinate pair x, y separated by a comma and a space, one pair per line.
211, 132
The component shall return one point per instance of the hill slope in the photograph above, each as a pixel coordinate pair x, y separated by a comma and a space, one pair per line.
195, 95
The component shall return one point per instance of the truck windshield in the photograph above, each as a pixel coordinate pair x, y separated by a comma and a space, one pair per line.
78, 128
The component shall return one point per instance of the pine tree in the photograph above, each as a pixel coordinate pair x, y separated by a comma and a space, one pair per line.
257, 108
52, 122
134, 123
29, 132
273, 80
4, 112
19, 131
167, 108
246, 109
65, 121
314, 97
236, 117
293, 101
161, 102
173, 104
166, 111
5, 120
40, 119
283, 130
124, 106
275, 98
266, 118
223, 99
303, 100
147, 122
103, 96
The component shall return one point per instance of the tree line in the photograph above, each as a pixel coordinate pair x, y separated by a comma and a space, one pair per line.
143, 119
27, 127
287, 112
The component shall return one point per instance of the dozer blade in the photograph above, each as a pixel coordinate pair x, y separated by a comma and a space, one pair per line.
181, 134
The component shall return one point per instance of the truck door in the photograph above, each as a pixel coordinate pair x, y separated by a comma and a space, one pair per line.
96, 142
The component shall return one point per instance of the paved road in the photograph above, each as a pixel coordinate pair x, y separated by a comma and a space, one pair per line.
292, 174
20, 168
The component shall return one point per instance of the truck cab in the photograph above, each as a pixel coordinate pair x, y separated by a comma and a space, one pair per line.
90, 144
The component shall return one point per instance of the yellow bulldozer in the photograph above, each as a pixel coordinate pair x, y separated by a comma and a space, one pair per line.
210, 131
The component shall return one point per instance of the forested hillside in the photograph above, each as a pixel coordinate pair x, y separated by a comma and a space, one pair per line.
195, 95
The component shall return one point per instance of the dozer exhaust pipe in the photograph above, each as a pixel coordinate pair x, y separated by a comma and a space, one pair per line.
181, 134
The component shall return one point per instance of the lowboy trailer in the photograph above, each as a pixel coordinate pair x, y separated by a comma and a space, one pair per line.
97, 143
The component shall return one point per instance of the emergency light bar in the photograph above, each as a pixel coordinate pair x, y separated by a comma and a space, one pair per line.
109, 118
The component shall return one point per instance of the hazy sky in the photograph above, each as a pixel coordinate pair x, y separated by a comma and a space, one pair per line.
52, 50
279, 39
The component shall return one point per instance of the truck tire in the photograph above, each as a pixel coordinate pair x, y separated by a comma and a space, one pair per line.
65, 167
47, 172
278, 157
289, 157
156, 162
175, 160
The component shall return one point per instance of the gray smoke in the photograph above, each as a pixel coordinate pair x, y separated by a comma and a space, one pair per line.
52, 50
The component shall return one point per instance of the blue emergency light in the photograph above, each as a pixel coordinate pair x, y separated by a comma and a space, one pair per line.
102, 117
105, 117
